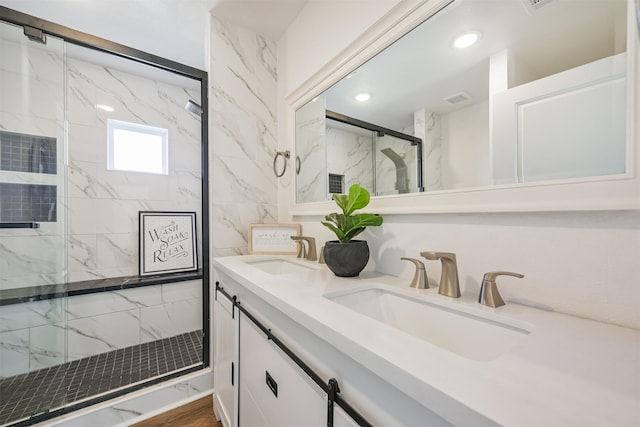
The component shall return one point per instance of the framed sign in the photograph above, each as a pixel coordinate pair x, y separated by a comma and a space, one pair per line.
273, 238
167, 242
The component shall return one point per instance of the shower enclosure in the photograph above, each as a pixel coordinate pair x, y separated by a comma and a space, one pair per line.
91, 134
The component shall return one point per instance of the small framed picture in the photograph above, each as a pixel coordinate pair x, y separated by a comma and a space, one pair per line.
167, 242
273, 238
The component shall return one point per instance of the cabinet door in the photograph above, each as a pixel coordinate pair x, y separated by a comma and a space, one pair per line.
341, 418
225, 363
274, 391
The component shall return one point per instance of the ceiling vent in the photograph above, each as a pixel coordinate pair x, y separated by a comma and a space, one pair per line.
458, 98
534, 5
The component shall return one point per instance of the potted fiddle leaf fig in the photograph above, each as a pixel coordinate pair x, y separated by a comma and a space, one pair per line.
347, 257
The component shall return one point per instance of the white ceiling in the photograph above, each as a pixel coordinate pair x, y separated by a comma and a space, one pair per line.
173, 29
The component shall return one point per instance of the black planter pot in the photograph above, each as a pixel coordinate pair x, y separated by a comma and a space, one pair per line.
346, 259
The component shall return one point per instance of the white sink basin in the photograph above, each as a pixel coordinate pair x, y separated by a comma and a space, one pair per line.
279, 266
468, 332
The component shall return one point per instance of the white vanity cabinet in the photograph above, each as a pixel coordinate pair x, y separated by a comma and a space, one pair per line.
225, 350
301, 400
290, 326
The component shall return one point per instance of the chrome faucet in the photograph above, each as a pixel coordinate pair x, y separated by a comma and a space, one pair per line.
310, 254
449, 284
489, 294
420, 279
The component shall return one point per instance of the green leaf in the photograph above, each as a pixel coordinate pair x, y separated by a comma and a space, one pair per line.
342, 200
358, 198
353, 233
345, 225
366, 220
336, 222
339, 234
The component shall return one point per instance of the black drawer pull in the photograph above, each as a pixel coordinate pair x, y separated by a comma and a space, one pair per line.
272, 384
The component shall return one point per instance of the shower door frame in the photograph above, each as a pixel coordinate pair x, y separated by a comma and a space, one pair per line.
79, 38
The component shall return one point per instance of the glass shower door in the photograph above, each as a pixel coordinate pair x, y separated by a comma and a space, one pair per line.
32, 214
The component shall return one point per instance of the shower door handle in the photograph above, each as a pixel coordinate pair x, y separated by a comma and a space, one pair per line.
19, 225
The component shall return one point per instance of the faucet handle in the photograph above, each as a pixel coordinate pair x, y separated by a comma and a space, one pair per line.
489, 294
420, 280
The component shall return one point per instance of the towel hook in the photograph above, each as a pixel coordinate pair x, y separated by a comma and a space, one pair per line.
286, 155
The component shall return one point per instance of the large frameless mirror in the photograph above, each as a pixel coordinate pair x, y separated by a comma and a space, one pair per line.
483, 94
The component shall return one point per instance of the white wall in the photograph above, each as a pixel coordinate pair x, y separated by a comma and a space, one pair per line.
583, 263
465, 147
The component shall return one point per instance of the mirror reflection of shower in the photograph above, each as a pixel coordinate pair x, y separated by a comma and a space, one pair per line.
402, 180
354, 152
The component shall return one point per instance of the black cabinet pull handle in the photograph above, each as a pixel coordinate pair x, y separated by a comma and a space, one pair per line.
272, 384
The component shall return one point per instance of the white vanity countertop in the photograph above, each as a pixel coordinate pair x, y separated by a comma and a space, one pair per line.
567, 372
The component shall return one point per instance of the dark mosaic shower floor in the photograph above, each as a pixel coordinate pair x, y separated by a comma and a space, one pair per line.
22, 396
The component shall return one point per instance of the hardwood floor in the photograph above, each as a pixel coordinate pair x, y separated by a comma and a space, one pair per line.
198, 413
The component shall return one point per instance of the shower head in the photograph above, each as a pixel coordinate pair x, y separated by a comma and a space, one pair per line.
193, 107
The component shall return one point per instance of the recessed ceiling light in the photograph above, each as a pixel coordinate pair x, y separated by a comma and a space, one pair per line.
350, 75
105, 108
466, 39
362, 97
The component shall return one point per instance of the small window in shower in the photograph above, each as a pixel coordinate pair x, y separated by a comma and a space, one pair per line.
336, 183
137, 148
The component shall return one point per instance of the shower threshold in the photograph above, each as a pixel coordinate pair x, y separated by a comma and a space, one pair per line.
25, 395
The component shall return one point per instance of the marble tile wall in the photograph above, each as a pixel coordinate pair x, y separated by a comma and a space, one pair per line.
243, 120
311, 182
40, 334
103, 204
32, 103
350, 154
428, 126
